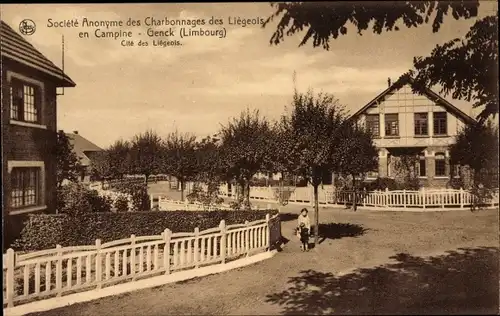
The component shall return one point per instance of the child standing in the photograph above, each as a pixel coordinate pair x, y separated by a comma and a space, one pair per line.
304, 229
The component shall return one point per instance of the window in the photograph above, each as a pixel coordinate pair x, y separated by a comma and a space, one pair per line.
421, 126
440, 125
440, 165
421, 166
24, 102
391, 125
25, 189
373, 124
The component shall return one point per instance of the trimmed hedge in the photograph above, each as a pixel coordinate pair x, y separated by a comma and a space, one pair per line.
46, 231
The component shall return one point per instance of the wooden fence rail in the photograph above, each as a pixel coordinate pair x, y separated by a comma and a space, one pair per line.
66, 270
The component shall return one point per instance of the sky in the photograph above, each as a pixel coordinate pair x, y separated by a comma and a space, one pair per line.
205, 82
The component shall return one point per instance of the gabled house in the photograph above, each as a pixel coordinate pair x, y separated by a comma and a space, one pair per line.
85, 150
29, 127
407, 124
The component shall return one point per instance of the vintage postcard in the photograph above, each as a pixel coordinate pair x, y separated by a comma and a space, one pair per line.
250, 158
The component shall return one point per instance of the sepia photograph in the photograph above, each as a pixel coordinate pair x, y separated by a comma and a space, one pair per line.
250, 158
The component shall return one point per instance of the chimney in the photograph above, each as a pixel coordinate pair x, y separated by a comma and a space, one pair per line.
75, 132
388, 82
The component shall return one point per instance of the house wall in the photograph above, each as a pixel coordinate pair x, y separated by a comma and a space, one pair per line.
22, 143
405, 103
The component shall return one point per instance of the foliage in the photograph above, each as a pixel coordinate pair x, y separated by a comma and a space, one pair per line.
325, 20
68, 164
43, 231
476, 146
405, 166
479, 82
76, 200
358, 153
311, 135
245, 143
145, 158
179, 158
139, 194
121, 204
381, 184
208, 198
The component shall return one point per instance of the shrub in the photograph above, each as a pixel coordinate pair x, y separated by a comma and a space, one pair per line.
381, 184
139, 194
121, 204
76, 199
43, 231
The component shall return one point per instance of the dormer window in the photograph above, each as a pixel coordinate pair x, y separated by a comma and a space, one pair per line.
25, 100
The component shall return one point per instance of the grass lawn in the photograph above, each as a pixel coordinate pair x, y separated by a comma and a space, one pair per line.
368, 262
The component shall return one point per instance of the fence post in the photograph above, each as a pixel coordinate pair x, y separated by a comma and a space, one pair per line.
196, 246
461, 198
423, 197
268, 232
167, 235
222, 227
151, 198
387, 197
404, 198
132, 256
59, 271
10, 285
247, 238
98, 264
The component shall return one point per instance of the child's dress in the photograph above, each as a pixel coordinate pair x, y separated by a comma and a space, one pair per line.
307, 224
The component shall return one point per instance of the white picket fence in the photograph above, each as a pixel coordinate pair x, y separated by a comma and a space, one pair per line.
66, 270
423, 198
166, 204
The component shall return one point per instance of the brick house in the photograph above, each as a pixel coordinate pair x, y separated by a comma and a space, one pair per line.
408, 124
29, 105
85, 150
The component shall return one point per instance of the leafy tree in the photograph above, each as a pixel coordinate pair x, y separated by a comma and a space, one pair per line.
119, 157
323, 21
478, 81
180, 159
313, 130
244, 146
145, 154
358, 154
101, 166
476, 146
68, 164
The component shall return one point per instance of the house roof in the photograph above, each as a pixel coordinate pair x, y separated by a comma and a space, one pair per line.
15, 47
426, 91
82, 147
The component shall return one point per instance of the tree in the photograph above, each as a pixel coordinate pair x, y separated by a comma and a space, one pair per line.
313, 132
358, 154
68, 163
476, 146
325, 20
180, 161
119, 157
145, 154
244, 146
112, 163
478, 81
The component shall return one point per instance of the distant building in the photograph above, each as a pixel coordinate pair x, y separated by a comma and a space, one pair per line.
406, 123
85, 150
29, 132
